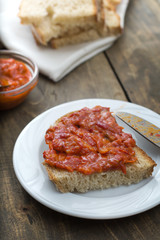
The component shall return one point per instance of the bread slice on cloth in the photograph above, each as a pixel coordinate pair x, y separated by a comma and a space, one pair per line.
54, 19
83, 36
54, 22
107, 23
139, 167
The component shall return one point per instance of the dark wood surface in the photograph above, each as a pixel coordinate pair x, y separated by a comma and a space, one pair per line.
130, 71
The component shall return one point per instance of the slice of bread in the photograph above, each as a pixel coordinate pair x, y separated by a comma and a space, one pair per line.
66, 181
81, 37
108, 23
109, 20
75, 181
34, 12
54, 22
45, 33
57, 18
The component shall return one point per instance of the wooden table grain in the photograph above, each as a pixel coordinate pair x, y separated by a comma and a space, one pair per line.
129, 71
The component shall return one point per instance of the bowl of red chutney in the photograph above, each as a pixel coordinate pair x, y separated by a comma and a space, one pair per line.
18, 77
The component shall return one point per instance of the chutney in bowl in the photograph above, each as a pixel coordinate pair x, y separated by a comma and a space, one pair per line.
18, 77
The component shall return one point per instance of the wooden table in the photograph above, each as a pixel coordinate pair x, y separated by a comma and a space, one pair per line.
129, 71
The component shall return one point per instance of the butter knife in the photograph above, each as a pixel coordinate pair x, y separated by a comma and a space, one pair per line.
145, 128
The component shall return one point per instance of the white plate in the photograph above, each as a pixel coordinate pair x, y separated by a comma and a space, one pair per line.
104, 204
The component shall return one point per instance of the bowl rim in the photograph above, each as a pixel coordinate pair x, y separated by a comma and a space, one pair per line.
20, 57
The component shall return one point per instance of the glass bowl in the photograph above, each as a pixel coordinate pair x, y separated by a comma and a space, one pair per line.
11, 98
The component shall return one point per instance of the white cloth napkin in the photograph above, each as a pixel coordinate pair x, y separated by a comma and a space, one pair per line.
53, 63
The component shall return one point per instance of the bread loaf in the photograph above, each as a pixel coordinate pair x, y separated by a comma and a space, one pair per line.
57, 23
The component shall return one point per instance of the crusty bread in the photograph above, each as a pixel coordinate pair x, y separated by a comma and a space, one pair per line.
57, 18
108, 23
75, 181
66, 22
66, 181
45, 33
58, 11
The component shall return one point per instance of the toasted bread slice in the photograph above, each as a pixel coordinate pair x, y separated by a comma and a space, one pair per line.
67, 181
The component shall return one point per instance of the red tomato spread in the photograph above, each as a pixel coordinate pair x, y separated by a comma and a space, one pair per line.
13, 74
89, 141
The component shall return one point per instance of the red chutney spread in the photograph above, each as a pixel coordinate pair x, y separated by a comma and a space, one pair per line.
13, 74
89, 141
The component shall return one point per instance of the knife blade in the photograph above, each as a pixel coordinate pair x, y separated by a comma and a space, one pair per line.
145, 128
